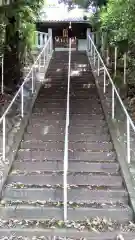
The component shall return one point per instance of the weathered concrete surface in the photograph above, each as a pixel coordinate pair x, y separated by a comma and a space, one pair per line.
34, 188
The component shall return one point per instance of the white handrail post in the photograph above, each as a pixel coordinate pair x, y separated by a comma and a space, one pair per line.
4, 139
128, 141
39, 64
2, 74
113, 102
125, 62
102, 43
50, 40
51, 44
40, 39
44, 57
37, 39
45, 38
94, 58
115, 61
107, 56
88, 40
47, 52
49, 48
93, 37
98, 66
87, 44
65, 178
104, 81
90, 48
22, 102
32, 81
66, 137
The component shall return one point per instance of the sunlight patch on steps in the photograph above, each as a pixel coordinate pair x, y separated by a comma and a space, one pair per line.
46, 80
58, 70
89, 85
47, 85
81, 65
46, 130
75, 73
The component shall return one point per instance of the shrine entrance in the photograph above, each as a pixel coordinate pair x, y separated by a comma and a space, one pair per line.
63, 41
60, 32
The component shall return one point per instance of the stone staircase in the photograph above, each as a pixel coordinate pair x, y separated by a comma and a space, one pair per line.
32, 199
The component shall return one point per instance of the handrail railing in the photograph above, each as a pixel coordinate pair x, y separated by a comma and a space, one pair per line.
2, 72
40, 39
29, 77
93, 50
66, 136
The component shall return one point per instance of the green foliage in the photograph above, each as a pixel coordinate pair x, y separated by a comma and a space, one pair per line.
117, 18
95, 21
25, 13
85, 3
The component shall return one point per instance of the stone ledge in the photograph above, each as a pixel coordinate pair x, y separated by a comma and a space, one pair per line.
117, 145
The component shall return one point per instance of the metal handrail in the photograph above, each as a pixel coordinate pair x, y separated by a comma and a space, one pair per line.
66, 136
121, 102
91, 47
2, 73
21, 90
42, 37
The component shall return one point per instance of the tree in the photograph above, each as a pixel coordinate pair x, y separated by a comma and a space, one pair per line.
117, 20
85, 3
19, 20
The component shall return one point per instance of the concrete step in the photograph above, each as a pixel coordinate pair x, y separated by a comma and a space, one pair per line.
59, 146
96, 195
123, 215
60, 105
72, 111
62, 79
60, 137
73, 179
79, 195
73, 122
65, 233
78, 156
62, 116
42, 99
56, 129
63, 94
73, 166
60, 89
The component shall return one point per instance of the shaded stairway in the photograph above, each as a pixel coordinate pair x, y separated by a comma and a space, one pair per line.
33, 195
